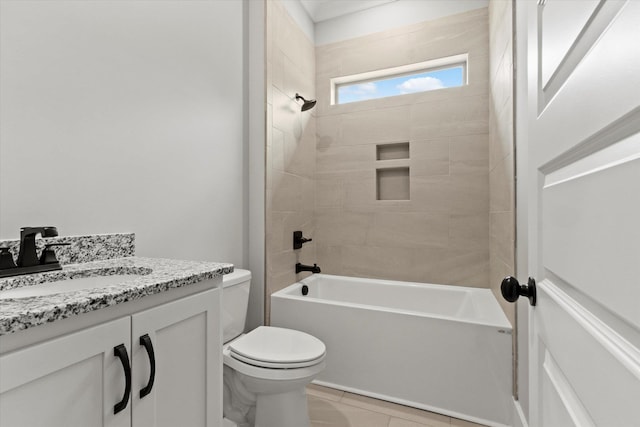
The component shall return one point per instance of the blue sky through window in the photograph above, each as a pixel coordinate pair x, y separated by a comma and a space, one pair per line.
413, 83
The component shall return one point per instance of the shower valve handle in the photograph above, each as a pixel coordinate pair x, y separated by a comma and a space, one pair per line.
298, 240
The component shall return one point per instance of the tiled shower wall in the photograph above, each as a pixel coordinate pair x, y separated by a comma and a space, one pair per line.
290, 156
441, 234
501, 159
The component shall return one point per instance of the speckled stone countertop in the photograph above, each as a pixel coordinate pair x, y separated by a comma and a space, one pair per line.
155, 275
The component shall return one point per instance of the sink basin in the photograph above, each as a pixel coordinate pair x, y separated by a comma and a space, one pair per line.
68, 285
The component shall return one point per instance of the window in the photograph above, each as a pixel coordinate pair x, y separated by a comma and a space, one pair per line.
414, 78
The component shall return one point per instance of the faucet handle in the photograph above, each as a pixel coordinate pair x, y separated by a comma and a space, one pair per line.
6, 259
48, 255
298, 240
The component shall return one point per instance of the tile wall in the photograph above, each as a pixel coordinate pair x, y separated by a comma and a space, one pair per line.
457, 226
501, 158
441, 234
290, 155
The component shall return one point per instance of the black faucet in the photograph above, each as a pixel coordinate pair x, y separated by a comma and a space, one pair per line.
28, 261
302, 267
28, 256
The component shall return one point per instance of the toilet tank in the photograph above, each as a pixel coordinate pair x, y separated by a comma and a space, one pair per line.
235, 299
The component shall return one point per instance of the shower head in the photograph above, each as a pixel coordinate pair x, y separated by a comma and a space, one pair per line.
307, 105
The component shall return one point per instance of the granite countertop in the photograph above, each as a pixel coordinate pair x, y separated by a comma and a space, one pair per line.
156, 275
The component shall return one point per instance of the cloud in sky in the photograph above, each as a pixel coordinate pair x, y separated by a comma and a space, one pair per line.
358, 92
364, 88
420, 84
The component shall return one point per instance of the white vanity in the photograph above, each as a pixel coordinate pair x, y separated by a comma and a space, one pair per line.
142, 352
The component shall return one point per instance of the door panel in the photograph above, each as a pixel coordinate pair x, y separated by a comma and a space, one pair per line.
558, 34
560, 405
601, 89
583, 145
589, 217
589, 357
558, 23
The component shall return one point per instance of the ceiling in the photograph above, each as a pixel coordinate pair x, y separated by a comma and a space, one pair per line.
321, 10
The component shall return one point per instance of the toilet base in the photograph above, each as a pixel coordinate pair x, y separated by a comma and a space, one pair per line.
282, 409
267, 397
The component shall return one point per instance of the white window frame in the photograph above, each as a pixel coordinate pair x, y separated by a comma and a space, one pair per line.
403, 70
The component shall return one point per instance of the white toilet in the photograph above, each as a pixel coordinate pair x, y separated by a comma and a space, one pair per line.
266, 370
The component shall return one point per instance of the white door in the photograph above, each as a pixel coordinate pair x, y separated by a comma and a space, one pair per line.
73, 380
182, 341
584, 210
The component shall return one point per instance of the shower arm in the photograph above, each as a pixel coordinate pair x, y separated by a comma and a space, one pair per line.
306, 104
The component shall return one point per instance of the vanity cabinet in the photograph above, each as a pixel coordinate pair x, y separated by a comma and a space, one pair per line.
76, 379
187, 342
72, 380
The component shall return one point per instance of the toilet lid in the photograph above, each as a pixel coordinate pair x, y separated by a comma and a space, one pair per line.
282, 348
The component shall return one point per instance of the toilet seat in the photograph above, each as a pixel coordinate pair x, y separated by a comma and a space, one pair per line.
277, 348
275, 365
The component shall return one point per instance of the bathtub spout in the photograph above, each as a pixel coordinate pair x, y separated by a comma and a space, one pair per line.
302, 267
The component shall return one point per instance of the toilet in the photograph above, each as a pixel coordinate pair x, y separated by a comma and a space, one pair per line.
265, 370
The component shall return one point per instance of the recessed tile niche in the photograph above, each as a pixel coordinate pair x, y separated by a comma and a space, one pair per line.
392, 171
392, 183
392, 151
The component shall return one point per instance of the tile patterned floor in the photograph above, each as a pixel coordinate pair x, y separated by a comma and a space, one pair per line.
334, 408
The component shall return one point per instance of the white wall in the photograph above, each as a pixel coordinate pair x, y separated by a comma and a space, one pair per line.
388, 16
255, 14
300, 16
125, 117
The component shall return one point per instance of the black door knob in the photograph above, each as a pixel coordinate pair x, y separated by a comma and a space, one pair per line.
511, 289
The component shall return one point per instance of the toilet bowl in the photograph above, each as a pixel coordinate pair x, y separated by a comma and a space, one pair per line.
266, 370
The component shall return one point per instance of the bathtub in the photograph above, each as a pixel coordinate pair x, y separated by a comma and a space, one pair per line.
446, 349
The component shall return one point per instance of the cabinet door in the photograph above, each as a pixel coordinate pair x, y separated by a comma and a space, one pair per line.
73, 380
186, 340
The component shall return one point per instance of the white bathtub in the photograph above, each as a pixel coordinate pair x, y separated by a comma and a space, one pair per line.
441, 348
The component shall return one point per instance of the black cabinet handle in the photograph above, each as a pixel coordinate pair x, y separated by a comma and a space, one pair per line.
145, 341
121, 352
511, 289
